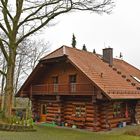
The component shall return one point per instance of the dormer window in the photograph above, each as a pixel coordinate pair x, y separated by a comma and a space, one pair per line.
136, 78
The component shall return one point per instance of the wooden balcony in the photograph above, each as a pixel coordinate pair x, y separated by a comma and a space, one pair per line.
63, 89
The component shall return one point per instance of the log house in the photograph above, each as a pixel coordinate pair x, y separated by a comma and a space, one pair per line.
91, 91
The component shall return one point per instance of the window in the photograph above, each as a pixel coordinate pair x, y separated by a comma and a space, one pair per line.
55, 83
72, 80
80, 111
43, 108
55, 79
120, 110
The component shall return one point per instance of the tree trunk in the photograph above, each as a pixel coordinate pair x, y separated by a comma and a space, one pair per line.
2, 83
9, 87
8, 96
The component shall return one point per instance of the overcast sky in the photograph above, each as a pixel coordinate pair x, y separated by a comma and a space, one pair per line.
120, 30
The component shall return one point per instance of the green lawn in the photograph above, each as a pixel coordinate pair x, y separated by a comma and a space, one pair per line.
51, 133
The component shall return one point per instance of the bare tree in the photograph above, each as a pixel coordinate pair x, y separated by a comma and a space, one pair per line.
20, 19
28, 55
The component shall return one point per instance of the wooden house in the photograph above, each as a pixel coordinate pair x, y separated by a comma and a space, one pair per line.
83, 89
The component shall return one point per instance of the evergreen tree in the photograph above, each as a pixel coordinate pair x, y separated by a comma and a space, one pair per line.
121, 56
84, 47
94, 51
73, 41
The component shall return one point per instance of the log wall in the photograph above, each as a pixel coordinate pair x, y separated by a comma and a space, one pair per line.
64, 111
107, 119
92, 117
54, 109
54, 112
137, 116
99, 115
36, 106
87, 121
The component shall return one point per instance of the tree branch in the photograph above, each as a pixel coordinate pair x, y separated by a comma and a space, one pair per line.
4, 30
3, 50
5, 12
98, 7
5, 42
19, 4
5, 6
47, 3
3, 73
37, 10
44, 23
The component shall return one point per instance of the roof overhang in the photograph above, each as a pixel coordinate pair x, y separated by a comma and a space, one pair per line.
40, 65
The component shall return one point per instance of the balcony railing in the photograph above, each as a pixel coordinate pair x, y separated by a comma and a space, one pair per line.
62, 89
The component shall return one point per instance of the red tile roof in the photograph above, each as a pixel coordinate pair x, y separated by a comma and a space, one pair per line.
116, 81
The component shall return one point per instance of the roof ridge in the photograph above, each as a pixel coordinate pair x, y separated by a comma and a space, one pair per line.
62, 47
50, 53
130, 65
86, 52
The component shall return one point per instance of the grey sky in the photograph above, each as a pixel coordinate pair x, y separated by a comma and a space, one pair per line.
120, 30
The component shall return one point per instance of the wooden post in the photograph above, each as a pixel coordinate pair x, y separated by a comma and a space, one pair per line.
58, 98
31, 90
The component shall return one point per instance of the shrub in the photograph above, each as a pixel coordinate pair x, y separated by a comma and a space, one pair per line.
1, 114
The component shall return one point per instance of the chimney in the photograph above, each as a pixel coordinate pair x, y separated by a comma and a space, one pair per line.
108, 56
